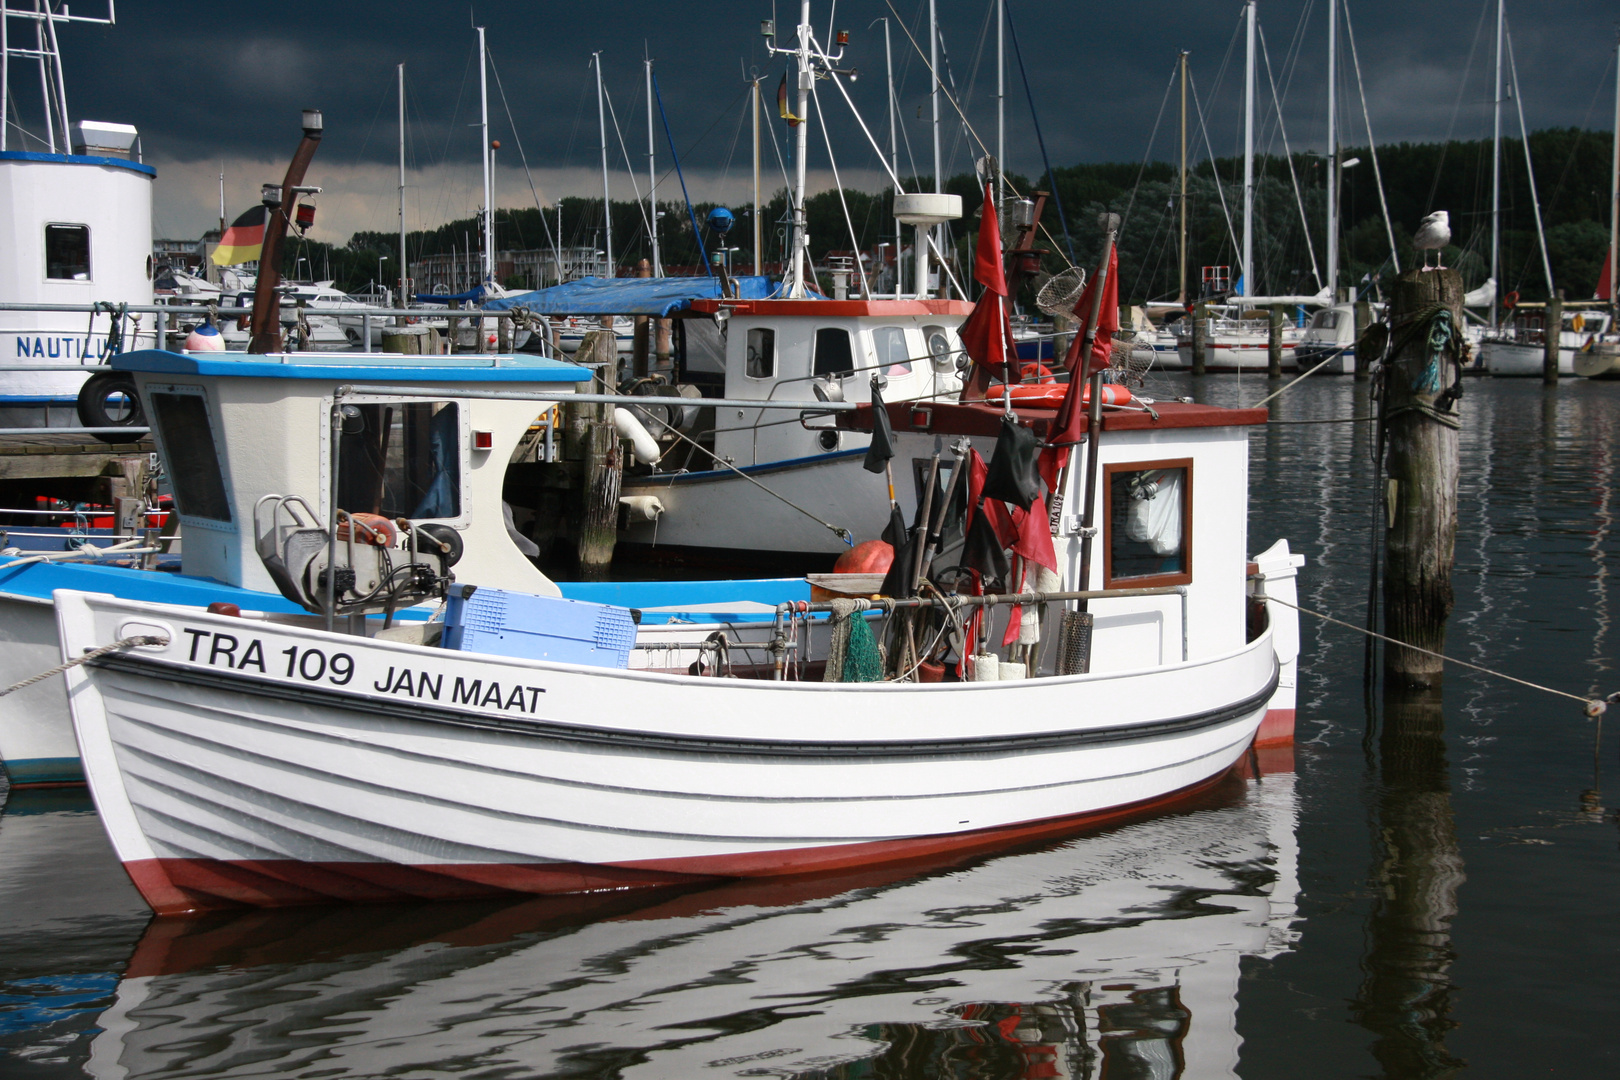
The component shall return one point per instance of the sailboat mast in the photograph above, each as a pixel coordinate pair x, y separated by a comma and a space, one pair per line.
404, 267
1333, 153
933, 73
607, 204
796, 274
1181, 295
1001, 110
483, 151
1248, 155
1614, 191
1496, 167
5, 71
652, 175
894, 165
759, 226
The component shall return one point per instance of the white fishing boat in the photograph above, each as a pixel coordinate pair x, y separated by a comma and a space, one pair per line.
75, 229
1518, 350
1148, 930
269, 761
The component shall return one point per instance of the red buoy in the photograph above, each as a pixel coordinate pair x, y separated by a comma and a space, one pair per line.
867, 557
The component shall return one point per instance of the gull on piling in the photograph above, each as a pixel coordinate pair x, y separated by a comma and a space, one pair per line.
1433, 235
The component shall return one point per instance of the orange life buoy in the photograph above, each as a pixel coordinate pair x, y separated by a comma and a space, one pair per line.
1050, 395
1511, 300
1036, 372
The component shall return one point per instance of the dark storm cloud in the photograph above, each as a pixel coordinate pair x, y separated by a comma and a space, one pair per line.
209, 81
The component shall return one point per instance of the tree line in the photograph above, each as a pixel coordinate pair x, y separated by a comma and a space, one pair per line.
1571, 169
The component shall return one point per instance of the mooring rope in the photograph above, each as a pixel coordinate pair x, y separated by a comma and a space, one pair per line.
1593, 706
121, 643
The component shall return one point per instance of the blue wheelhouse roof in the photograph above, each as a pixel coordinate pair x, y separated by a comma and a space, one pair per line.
629, 296
78, 159
364, 367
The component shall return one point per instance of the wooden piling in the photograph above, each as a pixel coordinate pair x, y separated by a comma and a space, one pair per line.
1552, 338
641, 359
1421, 382
600, 475
1200, 338
1274, 342
1363, 320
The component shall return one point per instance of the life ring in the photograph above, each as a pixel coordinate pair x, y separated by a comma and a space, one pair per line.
1032, 371
1051, 395
1511, 300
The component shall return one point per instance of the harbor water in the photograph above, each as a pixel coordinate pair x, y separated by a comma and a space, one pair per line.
1425, 886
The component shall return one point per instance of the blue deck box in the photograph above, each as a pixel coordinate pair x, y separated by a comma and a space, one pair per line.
502, 623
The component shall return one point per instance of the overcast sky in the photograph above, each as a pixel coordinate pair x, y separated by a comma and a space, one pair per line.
214, 85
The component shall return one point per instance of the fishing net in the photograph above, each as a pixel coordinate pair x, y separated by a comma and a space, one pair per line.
1130, 360
1061, 292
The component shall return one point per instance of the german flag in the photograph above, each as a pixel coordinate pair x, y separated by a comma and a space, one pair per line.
782, 104
244, 240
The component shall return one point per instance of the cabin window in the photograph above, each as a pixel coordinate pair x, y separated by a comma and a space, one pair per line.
893, 357
761, 353
1149, 524
834, 356
939, 349
1325, 320
67, 252
402, 459
182, 424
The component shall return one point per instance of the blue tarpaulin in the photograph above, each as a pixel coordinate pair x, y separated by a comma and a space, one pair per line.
476, 295
628, 296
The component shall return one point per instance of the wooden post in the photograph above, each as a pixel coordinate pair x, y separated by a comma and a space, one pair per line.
1423, 466
641, 359
1363, 320
1552, 338
1200, 338
503, 334
1274, 342
599, 479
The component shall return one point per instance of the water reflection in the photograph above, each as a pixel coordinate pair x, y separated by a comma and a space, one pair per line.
1406, 996
1113, 954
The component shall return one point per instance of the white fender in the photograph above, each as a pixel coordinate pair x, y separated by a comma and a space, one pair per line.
641, 441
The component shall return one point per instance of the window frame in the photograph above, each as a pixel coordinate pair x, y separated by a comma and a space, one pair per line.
1147, 581
769, 332
89, 263
815, 353
171, 452
462, 453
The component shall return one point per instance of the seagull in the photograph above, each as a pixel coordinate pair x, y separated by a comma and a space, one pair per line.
1433, 235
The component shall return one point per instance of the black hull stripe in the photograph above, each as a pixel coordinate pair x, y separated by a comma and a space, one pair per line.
554, 731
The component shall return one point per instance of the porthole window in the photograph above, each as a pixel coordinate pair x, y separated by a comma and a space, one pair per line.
67, 252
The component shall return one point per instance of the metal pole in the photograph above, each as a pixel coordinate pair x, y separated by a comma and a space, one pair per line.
652, 174
1001, 110
1181, 296
939, 180
1496, 170
759, 227
607, 205
1088, 518
1248, 156
1614, 191
1333, 153
489, 195
61, 87
894, 165
404, 266
5, 69
44, 83
801, 254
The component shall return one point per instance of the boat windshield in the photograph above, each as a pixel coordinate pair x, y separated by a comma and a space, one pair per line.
402, 460
893, 356
1325, 320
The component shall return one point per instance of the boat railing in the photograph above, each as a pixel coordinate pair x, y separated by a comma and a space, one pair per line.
951, 604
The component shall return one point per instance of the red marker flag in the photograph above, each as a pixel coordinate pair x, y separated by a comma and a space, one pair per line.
987, 333
1071, 418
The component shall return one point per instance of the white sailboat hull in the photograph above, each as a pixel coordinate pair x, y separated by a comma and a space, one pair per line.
1510, 360
427, 773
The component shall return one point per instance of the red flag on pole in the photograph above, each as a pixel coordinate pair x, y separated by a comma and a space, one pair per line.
1071, 417
987, 333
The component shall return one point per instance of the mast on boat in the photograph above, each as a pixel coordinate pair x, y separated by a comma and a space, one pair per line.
1248, 155
652, 174
1333, 153
759, 226
607, 204
1001, 108
1181, 296
1496, 166
404, 267
1614, 196
52, 82
489, 202
894, 166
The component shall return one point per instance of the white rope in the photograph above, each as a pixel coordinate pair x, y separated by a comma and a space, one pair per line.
121, 643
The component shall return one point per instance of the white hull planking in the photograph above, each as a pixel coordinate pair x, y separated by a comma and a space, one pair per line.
630, 777
36, 732
1509, 360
